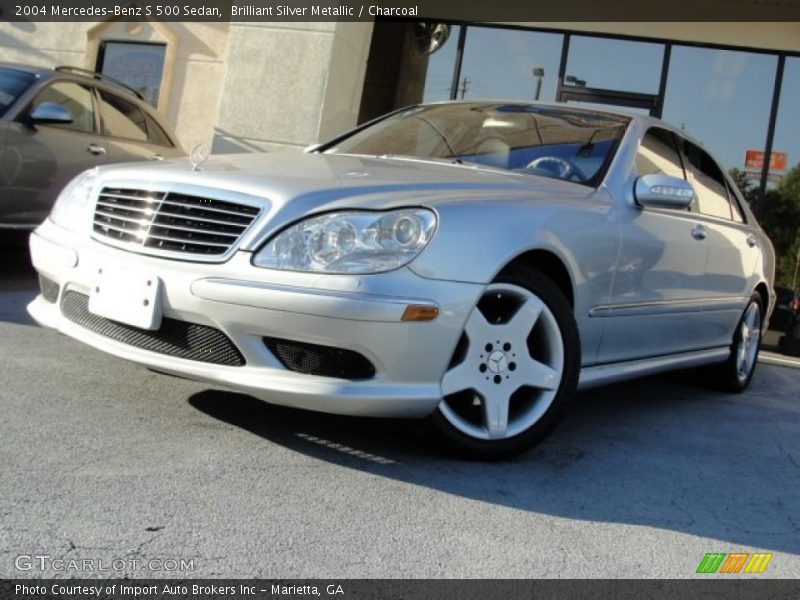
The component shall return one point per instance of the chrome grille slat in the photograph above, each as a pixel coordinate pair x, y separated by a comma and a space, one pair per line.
114, 227
174, 224
137, 198
159, 225
164, 213
192, 241
216, 210
148, 210
118, 217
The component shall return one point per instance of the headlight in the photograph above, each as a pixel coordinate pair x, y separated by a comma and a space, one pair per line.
72, 209
350, 242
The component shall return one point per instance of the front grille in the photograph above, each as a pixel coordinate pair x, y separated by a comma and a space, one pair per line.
171, 222
325, 361
175, 338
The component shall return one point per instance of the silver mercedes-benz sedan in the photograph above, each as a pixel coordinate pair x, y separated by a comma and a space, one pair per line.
471, 264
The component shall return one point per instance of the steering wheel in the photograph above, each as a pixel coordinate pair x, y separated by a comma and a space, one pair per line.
559, 167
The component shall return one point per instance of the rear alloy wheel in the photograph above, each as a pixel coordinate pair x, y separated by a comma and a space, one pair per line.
514, 367
735, 374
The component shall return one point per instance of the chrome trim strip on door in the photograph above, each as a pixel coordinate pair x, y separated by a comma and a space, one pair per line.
669, 307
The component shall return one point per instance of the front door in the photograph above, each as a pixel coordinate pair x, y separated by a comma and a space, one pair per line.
39, 160
660, 286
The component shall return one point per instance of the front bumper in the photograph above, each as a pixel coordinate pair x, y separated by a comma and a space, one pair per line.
361, 314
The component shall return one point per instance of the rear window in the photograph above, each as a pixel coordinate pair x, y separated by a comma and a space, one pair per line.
12, 84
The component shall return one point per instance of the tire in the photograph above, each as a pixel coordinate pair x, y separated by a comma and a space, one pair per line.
734, 374
513, 371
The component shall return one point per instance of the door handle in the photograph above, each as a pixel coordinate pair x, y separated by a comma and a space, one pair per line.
699, 232
156, 157
751, 241
95, 149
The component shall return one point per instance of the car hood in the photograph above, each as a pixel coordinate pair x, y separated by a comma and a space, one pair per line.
294, 185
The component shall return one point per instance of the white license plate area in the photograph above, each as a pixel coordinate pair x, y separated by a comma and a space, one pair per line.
126, 295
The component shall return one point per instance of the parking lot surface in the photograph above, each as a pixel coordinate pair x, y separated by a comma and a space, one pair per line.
105, 460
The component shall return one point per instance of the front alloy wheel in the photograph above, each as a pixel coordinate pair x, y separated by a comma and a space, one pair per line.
514, 367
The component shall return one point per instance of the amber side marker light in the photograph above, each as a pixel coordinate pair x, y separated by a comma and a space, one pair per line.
420, 312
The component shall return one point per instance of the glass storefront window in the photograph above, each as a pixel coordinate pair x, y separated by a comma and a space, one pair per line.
509, 64
779, 214
721, 98
787, 125
441, 63
140, 66
620, 65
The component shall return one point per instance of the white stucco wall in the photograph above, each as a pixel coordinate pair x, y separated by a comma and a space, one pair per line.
288, 85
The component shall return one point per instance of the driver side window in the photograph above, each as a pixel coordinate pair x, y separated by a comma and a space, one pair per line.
76, 98
658, 153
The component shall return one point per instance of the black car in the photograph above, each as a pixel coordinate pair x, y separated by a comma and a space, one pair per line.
55, 123
787, 306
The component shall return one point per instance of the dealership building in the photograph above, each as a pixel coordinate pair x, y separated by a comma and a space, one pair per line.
266, 86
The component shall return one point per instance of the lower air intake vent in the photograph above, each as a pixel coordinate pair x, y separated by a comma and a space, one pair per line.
175, 338
49, 289
325, 361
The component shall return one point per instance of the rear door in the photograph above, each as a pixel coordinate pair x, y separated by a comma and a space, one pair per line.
732, 249
39, 160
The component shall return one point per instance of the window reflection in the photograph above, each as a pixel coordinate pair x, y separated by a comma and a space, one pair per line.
708, 182
658, 154
77, 99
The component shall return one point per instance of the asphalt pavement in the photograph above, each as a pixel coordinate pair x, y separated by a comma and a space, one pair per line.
103, 461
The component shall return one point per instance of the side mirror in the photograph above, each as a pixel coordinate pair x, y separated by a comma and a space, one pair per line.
663, 191
50, 112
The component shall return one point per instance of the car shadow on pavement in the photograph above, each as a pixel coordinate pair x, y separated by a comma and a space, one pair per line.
657, 452
18, 283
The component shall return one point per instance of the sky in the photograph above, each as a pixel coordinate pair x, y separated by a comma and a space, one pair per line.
721, 98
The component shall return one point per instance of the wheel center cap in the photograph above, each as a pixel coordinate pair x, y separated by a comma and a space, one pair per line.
497, 362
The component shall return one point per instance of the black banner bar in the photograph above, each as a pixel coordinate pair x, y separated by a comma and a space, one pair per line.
496, 11
735, 587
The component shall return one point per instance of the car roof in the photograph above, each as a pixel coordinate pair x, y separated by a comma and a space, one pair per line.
73, 73
39, 71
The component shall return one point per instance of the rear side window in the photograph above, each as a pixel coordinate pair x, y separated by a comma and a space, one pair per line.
708, 181
121, 119
76, 98
12, 84
737, 214
658, 153
155, 134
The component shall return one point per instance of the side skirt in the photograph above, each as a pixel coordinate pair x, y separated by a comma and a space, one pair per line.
603, 374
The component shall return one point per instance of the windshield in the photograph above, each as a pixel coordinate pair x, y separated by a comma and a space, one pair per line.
12, 84
568, 144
